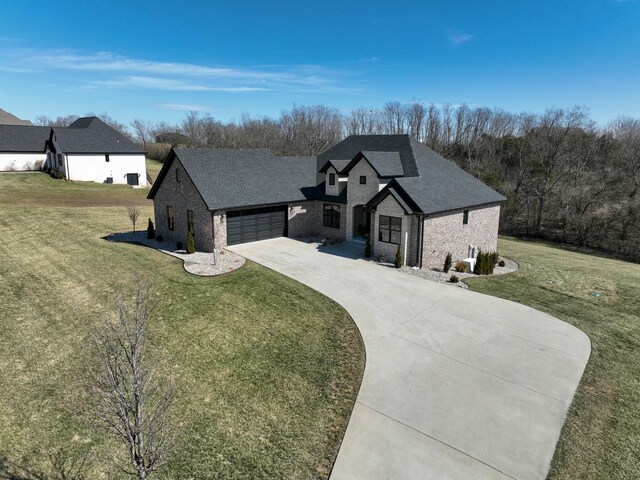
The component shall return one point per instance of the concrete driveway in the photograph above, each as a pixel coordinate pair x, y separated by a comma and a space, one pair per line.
457, 385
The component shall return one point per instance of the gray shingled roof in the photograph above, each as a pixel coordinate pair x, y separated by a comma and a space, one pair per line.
23, 138
386, 164
7, 118
352, 145
234, 178
339, 165
92, 135
442, 185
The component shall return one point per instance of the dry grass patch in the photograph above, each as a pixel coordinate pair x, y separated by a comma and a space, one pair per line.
267, 370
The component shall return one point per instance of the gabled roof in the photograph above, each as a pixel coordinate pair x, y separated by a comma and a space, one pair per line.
338, 165
348, 148
442, 186
92, 135
7, 118
23, 138
386, 164
236, 178
404, 200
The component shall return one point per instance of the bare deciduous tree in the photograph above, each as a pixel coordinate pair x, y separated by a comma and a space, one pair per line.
133, 212
128, 399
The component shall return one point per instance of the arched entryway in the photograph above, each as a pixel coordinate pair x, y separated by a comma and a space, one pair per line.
361, 222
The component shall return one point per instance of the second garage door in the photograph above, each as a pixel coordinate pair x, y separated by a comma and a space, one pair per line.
255, 224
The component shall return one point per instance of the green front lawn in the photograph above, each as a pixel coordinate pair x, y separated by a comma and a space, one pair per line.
600, 296
266, 369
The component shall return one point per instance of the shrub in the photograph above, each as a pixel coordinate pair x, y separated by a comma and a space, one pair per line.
382, 258
191, 243
367, 248
151, 232
399, 260
501, 263
178, 245
447, 263
454, 279
485, 263
56, 173
460, 267
325, 242
160, 239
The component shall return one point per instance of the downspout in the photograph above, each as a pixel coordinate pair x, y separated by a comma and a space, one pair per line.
420, 240
66, 159
213, 238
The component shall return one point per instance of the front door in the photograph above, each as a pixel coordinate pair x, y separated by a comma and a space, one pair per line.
361, 221
132, 179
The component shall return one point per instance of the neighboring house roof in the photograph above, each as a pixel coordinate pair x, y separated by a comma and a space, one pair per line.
236, 178
92, 135
23, 138
7, 118
386, 164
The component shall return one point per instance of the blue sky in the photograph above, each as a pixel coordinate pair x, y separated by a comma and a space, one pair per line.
155, 60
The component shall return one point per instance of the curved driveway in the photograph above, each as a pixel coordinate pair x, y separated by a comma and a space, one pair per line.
457, 385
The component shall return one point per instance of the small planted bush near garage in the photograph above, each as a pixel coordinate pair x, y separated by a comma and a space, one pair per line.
151, 232
447, 263
399, 260
160, 238
454, 279
191, 243
367, 249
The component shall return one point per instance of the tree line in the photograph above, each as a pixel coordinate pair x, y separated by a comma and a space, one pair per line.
566, 178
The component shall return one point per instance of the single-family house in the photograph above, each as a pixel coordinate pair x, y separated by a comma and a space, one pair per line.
391, 189
90, 150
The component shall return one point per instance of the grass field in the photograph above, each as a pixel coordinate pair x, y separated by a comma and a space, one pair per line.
600, 296
266, 369
153, 168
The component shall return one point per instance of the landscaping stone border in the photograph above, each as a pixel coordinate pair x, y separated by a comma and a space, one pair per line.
199, 263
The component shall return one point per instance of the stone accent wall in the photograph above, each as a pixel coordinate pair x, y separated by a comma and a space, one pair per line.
182, 196
445, 233
391, 208
359, 194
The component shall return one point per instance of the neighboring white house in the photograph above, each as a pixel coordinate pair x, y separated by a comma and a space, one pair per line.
90, 150
23, 147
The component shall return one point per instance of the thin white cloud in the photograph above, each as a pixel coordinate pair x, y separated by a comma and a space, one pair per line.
460, 38
106, 62
106, 69
184, 107
157, 83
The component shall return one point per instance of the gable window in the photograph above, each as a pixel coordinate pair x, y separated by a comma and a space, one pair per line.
106, 158
331, 216
332, 179
363, 179
465, 217
390, 229
191, 224
177, 174
170, 218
